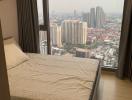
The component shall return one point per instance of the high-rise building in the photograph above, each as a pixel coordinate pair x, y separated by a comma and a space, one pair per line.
86, 18
92, 17
100, 17
75, 13
55, 32
74, 32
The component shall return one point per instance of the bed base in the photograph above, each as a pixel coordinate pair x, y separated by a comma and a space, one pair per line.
95, 90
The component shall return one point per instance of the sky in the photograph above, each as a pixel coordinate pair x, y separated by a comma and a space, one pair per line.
109, 6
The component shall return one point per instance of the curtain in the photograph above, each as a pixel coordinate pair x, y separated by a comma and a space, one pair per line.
28, 25
125, 50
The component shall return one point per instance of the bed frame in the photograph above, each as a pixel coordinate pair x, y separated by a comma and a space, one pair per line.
95, 89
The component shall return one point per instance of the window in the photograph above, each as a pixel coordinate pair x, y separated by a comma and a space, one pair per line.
44, 33
86, 29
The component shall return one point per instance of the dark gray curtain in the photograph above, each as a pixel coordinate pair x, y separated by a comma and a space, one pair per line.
125, 50
28, 25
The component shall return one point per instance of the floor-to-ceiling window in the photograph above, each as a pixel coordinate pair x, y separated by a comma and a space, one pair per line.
86, 29
44, 33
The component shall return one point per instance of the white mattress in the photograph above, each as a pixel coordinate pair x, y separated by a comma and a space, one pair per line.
53, 78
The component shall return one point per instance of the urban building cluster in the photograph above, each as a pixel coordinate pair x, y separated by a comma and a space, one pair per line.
93, 34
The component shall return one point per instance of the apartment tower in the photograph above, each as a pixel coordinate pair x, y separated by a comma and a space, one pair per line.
100, 17
55, 32
92, 17
86, 18
74, 32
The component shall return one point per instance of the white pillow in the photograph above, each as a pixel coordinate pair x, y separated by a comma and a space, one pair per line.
13, 54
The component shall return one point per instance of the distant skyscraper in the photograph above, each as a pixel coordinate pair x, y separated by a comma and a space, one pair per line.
74, 32
86, 18
55, 31
75, 13
100, 17
92, 17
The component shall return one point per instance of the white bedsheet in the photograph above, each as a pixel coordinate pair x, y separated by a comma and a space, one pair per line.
53, 78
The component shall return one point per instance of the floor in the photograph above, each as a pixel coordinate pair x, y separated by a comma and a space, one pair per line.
113, 88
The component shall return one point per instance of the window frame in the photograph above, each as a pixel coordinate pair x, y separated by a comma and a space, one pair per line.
46, 25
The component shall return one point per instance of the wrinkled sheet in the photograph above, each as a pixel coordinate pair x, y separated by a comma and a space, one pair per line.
46, 77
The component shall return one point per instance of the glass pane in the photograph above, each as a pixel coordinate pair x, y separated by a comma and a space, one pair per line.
87, 29
40, 12
43, 42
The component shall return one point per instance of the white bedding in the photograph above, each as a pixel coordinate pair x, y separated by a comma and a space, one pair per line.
53, 78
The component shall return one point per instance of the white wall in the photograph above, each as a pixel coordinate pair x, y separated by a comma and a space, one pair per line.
8, 17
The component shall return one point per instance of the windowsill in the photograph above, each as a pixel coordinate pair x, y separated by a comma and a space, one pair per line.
109, 69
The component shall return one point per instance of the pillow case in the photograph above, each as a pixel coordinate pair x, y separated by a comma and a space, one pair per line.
13, 54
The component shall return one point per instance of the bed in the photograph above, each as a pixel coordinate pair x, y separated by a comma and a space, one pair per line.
45, 77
